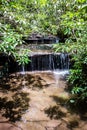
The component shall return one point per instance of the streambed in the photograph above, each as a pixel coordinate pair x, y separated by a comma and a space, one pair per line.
37, 101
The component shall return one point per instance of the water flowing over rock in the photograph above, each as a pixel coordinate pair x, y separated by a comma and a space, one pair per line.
33, 96
43, 62
48, 62
39, 101
42, 56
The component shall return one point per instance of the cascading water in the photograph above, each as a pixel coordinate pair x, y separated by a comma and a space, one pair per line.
50, 61
23, 69
42, 57
41, 93
63, 69
42, 62
64, 59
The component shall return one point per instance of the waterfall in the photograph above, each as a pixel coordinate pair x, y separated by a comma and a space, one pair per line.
42, 56
43, 62
22, 69
61, 67
49, 61
64, 60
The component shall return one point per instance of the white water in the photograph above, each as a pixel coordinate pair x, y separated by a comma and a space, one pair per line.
58, 74
61, 72
23, 70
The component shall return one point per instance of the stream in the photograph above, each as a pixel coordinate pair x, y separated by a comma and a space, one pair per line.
35, 96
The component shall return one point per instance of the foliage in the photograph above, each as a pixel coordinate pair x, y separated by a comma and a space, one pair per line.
67, 18
10, 40
22, 56
20, 18
78, 75
10, 35
73, 24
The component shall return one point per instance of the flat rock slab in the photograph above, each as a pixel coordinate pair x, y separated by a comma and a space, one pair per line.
32, 126
35, 114
63, 126
7, 126
53, 124
47, 104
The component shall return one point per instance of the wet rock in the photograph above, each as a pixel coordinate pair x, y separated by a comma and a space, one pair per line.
31, 104
3, 119
52, 124
63, 109
35, 114
39, 38
63, 126
84, 127
32, 126
7, 126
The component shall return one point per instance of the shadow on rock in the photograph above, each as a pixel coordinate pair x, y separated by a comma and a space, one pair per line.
18, 81
55, 112
13, 101
15, 107
63, 100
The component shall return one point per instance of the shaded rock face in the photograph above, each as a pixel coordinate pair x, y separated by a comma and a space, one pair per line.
42, 56
48, 62
3, 65
41, 39
40, 100
42, 62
